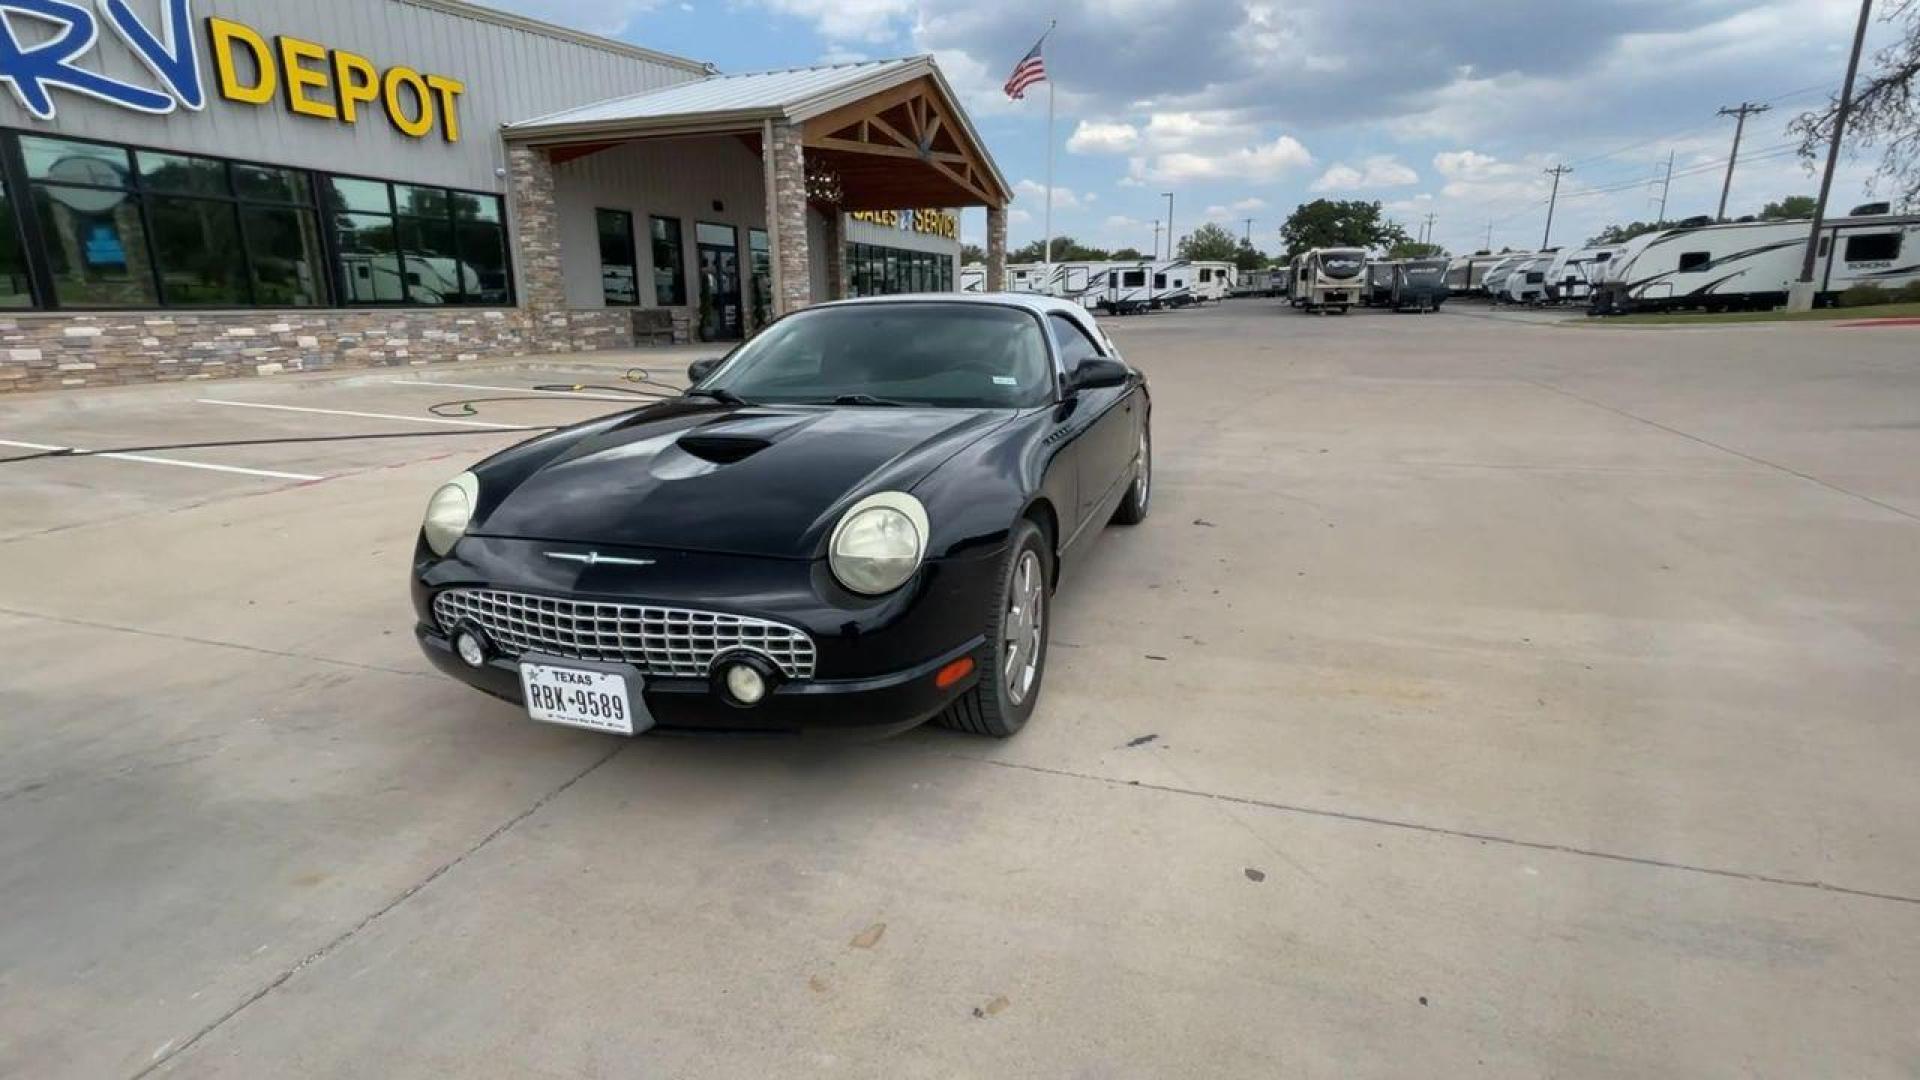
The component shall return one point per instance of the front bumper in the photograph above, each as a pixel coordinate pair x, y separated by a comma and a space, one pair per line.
876, 659
874, 707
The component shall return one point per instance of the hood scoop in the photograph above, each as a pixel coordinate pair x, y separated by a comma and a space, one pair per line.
722, 449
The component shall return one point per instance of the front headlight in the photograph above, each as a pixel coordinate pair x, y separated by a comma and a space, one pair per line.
879, 543
449, 511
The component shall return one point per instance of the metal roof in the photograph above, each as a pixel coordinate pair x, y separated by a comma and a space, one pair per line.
723, 103
786, 94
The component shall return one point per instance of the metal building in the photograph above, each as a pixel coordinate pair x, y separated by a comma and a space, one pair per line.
199, 188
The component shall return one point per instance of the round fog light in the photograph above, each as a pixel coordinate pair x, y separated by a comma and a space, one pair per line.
471, 648
746, 685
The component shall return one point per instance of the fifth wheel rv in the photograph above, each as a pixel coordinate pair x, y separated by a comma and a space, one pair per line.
1750, 265
1328, 278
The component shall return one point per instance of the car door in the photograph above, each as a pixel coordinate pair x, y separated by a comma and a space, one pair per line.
1102, 419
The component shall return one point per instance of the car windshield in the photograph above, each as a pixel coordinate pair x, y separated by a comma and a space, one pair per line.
932, 354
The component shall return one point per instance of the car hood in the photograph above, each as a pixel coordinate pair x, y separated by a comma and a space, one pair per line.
748, 480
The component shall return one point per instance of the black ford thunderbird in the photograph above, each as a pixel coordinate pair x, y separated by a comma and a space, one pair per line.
855, 521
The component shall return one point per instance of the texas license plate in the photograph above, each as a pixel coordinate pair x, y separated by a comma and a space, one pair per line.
607, 701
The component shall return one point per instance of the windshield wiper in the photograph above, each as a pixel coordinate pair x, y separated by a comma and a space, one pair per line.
865, 399
725, 397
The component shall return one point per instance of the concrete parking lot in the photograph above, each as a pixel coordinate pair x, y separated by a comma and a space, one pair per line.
1485, 696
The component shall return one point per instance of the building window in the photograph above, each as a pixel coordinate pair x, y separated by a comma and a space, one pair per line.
1873, 247
760, 267
881, 271
124, 227
619, 259
16, 281
669, 263
136, 228
1693, 262
408, 244
90, 217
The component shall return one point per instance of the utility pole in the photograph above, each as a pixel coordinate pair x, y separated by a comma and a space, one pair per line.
1665, 187
1489, 243
1249, 232
1742, 111
1156, 238
1801, 296
1426, 231
1556, 172
1169, 196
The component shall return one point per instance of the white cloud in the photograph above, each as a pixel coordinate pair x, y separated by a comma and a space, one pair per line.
1064, 198
1379, 171
1261, 163
1097, 137
1250, 204
839, 55
849, 20
1017, 216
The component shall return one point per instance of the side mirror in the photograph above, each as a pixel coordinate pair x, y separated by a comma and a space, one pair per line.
1099, 373
700, 369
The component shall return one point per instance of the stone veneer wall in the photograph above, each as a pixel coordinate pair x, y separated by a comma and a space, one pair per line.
58, 351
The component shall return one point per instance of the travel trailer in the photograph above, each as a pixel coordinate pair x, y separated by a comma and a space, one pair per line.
1751, 264
1379, 288
1420, 285
1213, 281
1527, 284
1496, 276
1261, 283
1129, 288
1467, 273
1326, 278
1571, 276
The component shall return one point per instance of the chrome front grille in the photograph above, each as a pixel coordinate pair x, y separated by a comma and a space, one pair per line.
664, 641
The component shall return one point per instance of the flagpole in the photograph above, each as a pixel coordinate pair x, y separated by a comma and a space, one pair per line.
1049, 214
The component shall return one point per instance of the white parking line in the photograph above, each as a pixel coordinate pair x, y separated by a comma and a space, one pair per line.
362, 415
146, 459
637, 399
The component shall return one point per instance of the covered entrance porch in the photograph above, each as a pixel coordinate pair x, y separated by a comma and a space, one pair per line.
716, 206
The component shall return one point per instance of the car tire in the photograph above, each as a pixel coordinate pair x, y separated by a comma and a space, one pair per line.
1139, 501
1000, 704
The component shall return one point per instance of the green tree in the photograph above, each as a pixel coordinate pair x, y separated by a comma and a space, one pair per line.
1125, 253
1886, 109
1247, 257
972, 253
1339, 223
1789, 208
1413, 249
1065, 249
1209, 243
1620, 234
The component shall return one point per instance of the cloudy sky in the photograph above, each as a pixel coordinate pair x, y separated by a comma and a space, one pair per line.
1245, 108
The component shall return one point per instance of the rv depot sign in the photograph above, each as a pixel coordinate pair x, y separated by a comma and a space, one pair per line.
308, 78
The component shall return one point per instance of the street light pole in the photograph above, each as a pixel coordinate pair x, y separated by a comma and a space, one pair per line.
1801, 296
1169, 196
1742, 111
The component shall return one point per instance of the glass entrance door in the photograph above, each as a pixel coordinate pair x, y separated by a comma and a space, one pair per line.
719, 249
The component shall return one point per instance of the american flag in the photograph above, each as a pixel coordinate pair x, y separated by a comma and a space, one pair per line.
1031, 69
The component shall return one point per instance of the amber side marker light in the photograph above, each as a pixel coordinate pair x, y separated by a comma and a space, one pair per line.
954, 672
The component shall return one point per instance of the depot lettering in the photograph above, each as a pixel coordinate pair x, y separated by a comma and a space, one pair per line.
330, 84
309, 78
